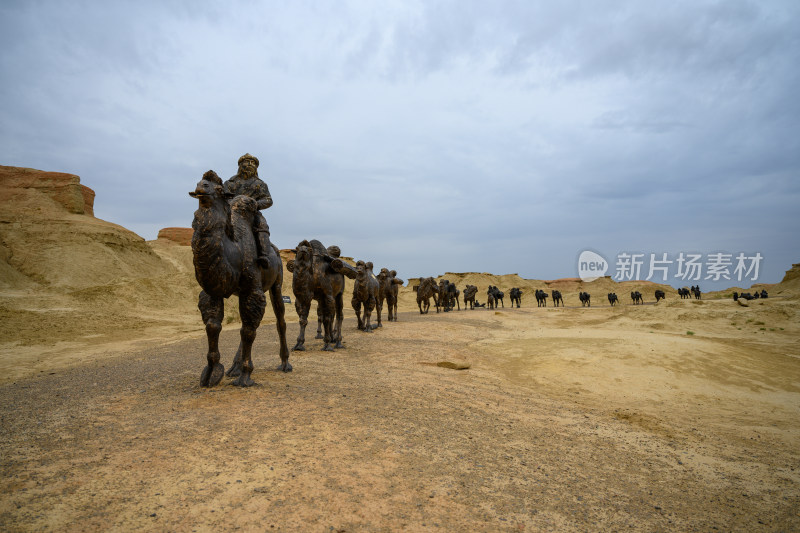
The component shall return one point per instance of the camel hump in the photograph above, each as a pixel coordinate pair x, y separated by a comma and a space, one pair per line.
318, 247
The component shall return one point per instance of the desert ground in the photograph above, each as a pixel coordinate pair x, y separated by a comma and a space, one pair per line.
682, 415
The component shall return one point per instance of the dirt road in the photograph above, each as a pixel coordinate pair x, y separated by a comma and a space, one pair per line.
567, 419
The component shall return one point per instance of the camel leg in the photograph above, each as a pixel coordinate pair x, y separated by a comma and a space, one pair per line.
337, 334
327, 321
212, 311
389, 311
419, 304
319, 323
236, 367
378, 307
251, 309
302, 309
357, 308
369, 305
276, 298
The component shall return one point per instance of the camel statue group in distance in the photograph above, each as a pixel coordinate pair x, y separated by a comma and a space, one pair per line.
318, 274
225, 260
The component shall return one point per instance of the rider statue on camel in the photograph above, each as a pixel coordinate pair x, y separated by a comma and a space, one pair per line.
247, 183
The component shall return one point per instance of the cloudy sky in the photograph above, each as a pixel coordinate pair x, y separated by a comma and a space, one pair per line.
429, 136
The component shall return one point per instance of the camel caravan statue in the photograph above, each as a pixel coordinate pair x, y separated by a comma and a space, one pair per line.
427, 289
315, 278
495, 296
365, 290
448, 296
516, 296
388, 291
557, 298
227, 261
469, 296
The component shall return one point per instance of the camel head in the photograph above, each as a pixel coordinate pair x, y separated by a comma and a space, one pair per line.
361, 270
304, 253
208, 188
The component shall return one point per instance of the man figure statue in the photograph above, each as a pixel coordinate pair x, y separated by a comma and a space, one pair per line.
246, 182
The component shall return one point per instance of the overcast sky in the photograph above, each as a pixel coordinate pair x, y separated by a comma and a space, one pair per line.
429, 136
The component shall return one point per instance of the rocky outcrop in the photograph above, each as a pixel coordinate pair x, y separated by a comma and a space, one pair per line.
792, 273
63, 189
49, 236
182, 236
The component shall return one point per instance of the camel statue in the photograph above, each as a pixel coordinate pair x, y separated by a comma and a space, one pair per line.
444, 296
387, 291
498, 297
396, 284
427, 290
224, 251
557, 298
365, 291
452, 296
516, 296
313, 278
469, 296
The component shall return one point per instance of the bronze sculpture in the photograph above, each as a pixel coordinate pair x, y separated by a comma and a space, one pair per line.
541, 298
469, 296
516, 296
448, 296
388, 292
225, 263
246, 182
556, 294
314, 278
497, 295
585, 298
453, 293
427, 290
396, 283
365, 291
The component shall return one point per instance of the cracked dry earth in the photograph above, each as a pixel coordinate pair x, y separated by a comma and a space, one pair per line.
569, 419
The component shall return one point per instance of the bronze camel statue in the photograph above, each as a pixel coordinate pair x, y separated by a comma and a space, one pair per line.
365, 290
469, 296
427, 289
313, 278
224, 252
396, 283
387, 291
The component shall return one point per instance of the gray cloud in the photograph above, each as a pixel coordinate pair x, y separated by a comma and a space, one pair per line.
500, 137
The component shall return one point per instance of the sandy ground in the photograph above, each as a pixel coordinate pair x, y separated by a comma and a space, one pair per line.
679, 416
